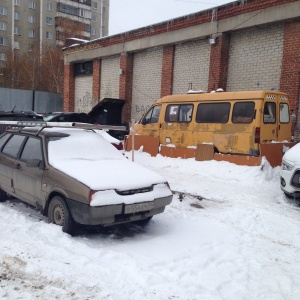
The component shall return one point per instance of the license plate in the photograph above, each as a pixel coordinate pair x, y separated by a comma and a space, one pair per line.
132, 208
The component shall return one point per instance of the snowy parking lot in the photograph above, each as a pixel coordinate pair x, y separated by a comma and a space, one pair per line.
240, 239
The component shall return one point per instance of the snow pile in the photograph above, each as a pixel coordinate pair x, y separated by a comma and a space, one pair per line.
241, 241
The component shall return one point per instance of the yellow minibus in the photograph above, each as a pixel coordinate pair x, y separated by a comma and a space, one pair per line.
233, 122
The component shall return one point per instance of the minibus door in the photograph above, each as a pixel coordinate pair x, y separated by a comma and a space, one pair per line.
149, 125
285, 124
177, 128
269, 130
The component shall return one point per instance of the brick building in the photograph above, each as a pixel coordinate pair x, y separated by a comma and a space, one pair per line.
243, 45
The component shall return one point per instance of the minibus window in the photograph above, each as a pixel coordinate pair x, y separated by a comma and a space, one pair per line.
179, 113
152, 115
270, 112
243, 112
284, 113
213, 112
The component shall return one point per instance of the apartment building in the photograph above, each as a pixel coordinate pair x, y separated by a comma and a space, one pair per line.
25, 24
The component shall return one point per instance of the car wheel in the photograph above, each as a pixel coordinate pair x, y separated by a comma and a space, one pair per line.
59, 214
3, 196
143, 222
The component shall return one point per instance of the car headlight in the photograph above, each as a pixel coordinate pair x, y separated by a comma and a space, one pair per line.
286, 166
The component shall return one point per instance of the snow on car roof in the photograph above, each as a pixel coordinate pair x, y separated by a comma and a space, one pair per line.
92, 160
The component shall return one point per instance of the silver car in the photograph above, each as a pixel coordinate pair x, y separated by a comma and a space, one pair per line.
75, 176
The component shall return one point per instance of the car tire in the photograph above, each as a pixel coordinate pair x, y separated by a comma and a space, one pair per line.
59, 214
143, 222
3, 196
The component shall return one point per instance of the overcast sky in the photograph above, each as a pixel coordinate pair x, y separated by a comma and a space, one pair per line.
126, 15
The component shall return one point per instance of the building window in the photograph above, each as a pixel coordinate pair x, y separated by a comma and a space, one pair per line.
93, 31
31, 4
49, 35
17, 2
83, 69
16, 45
49, 21
49, 6
17, 15
87, 27
3, 11
3, 41
94, 18
31, 33
94, 5
1, 71
17, 30
30, 47
103, 10
3, 26
31, 19
3, 56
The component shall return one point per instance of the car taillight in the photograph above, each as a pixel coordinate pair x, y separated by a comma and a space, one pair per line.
257, 135
91, 195
119, 146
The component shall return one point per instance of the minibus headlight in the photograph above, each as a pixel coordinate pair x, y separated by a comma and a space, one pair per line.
286, 166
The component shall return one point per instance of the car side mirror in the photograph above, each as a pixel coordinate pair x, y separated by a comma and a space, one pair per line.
144, 121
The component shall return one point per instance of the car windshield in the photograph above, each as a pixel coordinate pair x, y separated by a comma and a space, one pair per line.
80, 145
48, 118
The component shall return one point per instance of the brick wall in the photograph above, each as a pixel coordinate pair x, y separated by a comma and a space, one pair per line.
96, 79
219, 63
69, 87
262, 57
229, 10
125, 84
110, 68
191, 66
255, 58
290, 75
84, 101
147, 69
167, 70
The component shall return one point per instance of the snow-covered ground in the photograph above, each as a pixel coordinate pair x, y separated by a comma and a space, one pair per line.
242, 241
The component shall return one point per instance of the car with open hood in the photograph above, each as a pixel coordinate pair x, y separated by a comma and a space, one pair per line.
75, 176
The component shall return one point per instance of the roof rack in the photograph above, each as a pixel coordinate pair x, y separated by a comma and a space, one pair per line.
62, 124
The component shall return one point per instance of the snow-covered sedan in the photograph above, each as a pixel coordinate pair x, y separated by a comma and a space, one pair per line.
290, 172
76, 176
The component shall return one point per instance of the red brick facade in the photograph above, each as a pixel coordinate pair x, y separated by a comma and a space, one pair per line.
219, 54
96, 80
290, 70
125, 84
167, 70
219, 58
69, 87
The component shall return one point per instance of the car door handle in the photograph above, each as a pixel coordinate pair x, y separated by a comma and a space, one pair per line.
18, 166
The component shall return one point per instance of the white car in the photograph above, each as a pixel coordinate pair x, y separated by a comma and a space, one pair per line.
290, 172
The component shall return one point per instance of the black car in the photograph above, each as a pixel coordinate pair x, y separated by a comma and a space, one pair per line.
69, 117
8, 116
76, 118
